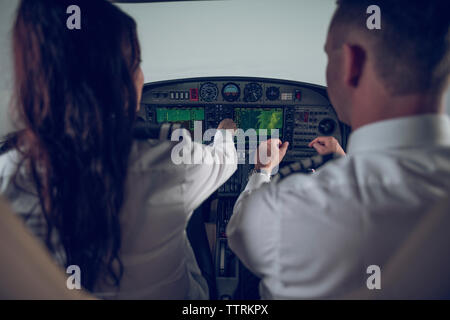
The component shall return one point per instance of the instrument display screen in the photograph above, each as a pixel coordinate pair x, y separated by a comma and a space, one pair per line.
259, 118
185, 116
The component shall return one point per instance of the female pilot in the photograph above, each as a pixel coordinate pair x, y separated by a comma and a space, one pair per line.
116, 208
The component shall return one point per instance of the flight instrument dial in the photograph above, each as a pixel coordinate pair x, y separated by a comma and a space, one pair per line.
252, 92
231, 92
272, 93
209, 92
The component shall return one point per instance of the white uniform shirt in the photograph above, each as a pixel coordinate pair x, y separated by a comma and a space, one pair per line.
160, 197
313, 236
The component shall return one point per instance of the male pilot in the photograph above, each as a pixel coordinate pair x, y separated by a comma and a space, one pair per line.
315, 236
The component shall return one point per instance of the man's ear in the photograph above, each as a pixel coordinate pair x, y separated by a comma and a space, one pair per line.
354, 60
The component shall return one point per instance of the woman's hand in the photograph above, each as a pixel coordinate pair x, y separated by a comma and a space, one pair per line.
228, 124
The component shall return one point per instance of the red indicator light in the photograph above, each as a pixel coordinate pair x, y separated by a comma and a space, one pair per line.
193, 94
298, 95
305, 117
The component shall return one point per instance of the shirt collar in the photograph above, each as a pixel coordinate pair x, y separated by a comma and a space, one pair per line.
411, 131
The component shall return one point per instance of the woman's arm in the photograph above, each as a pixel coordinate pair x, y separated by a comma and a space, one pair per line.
217, 165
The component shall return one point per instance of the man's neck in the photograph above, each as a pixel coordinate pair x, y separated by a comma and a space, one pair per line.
385, 108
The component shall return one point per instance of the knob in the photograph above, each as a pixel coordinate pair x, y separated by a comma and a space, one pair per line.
327, 126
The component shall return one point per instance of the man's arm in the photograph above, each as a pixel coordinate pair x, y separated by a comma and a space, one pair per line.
326, 145
300, 237
250, 229
269, 155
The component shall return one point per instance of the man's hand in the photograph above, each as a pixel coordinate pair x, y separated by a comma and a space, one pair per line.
228, 124
326, 145
270, 153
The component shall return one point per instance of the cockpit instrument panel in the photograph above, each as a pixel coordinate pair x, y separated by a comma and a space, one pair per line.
300, 111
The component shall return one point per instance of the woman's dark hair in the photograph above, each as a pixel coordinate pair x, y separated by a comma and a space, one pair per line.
76, 97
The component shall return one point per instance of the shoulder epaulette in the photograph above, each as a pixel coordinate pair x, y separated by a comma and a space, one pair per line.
305, 165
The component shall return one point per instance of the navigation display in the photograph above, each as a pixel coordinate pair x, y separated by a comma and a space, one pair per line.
185, 116
259, 118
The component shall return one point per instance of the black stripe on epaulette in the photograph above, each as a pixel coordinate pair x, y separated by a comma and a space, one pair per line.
305, 165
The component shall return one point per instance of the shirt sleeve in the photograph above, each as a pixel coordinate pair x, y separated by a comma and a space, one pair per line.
252, 229
213, 165
255, 181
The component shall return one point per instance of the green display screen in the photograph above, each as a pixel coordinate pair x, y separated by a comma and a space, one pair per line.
185, 116
259, 118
